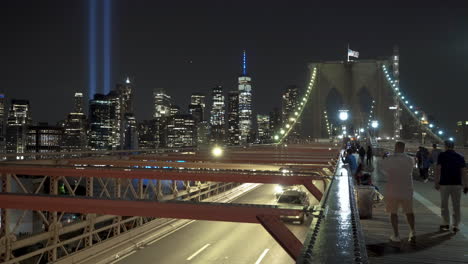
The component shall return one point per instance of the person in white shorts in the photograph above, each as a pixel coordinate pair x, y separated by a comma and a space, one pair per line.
398, 169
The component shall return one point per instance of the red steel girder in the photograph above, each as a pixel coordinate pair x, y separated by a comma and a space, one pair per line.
267, 216
282, 235
168, 175
243, 213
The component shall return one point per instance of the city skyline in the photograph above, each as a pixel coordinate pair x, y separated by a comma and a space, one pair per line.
57, 61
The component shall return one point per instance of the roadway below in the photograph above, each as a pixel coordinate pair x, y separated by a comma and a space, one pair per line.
206, 242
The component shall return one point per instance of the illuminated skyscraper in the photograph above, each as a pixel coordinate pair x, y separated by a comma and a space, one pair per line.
197, 107
263, 132
19, 118
217, 120
245, 103
233, 118
44, 138
2, 123
181, 131
74, 135
289, 102
162, 103
125, 118
100, 123
275, 120
130, 135
174, 110
197, 110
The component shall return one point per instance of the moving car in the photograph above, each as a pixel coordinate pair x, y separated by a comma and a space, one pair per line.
294, 197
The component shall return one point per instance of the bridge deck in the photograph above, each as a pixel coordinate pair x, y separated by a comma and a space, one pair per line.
431, 245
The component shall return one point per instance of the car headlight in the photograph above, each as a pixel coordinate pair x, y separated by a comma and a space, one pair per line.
278, 189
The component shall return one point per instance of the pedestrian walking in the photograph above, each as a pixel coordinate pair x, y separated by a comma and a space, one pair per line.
433, 157
422, 155
450, 180
362, 154
397, 169
369, 155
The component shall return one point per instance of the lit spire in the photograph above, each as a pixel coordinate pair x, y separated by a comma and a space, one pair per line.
127, 81
244, 64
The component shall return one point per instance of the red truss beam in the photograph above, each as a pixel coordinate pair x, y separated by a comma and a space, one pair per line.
208, 164
282, 235
268, 216
168, 175
243, 213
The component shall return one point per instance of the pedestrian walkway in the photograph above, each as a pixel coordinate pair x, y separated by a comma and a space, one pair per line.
431, 245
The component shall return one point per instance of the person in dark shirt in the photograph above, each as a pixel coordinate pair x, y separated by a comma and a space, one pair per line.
369, 155
362, 154
450, 180
350, 160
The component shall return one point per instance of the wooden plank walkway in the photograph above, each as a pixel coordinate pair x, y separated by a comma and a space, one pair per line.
432, 246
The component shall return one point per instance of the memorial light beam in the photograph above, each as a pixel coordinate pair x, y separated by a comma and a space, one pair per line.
107, 46
92, 48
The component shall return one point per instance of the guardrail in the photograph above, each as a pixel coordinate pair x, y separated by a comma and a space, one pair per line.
335, 235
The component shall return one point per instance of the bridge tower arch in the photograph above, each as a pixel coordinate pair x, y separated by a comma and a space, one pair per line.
350, 80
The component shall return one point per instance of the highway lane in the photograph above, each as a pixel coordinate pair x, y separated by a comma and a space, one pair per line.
208, 242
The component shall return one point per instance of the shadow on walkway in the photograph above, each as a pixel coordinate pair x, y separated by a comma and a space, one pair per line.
423, 242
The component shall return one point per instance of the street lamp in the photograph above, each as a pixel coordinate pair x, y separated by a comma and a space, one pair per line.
343, 115
217, 151
374, 125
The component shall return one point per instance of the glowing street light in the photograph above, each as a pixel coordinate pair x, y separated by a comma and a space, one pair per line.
441, 132
343, 115
276, 137
375, 124
451, 138
431, 125
217, 151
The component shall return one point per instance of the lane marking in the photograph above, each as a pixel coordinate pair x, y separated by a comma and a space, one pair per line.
120, 258
198, 252
262, 256
169, 233
436, 210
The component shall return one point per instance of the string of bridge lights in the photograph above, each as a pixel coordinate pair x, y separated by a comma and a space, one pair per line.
371, 114
289, 124
411, 109
327, 123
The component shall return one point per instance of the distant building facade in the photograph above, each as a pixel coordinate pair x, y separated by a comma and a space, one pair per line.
263, 129
100, 123
75, 126
42, 138
19, 118
233, 118
2, 123
217, 120
245, 103
181, 131
162, 103
462, 133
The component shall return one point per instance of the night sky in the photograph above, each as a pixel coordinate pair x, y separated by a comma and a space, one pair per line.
191, 46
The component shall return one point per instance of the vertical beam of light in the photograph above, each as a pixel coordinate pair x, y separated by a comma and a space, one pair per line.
92, 48
244, 64
107, 49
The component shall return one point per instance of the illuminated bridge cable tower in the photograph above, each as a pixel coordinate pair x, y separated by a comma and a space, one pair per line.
296, 114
